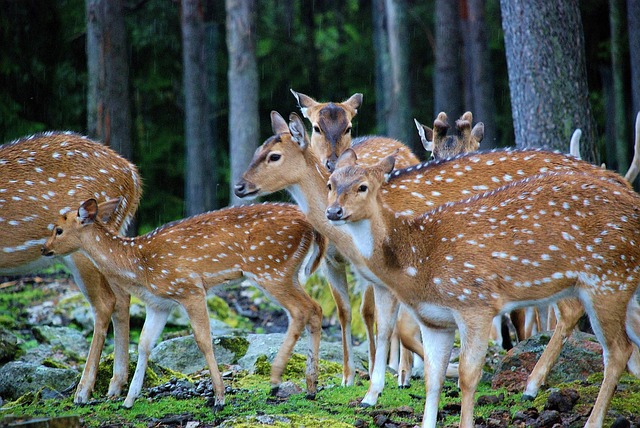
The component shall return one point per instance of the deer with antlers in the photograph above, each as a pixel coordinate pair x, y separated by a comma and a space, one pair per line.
269, 245
43, 175
285, 161
461, 264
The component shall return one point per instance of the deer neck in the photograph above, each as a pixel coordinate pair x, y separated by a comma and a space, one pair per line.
113, 255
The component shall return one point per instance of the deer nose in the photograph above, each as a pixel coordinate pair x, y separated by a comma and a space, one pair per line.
330, 165
240, 189
46, 252
334, 213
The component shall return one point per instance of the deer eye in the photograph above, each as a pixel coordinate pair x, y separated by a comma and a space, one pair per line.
363, 188
58, 231
273, 157
329, 186
316, 128
347, 131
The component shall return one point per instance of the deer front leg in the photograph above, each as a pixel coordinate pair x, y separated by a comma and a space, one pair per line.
570, 311
154, 323
474, 342
336, 274
120, 319
102, 301
437, 345
386, 315
196, 308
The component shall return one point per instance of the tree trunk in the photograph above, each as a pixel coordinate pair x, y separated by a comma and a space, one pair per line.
547, 74
108, 109
633, 24
478, 68
619, 111
244, 128
399, 122
199, 162
447, 77
382, 64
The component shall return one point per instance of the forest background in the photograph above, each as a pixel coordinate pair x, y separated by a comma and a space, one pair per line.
184, 88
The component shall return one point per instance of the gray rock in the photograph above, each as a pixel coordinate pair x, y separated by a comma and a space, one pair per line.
183, 355
69, 340
8, 346
17, 378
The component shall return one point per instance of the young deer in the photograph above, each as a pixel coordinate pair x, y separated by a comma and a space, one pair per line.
42, 176
461, 264
331, 135
442, 145
284, 161
177, 263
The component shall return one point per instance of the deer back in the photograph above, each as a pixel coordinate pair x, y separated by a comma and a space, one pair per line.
46, 174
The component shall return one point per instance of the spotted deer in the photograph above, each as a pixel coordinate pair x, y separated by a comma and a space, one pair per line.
461, 264
331, 124
267, 245
441, 145
42, 175
285, 161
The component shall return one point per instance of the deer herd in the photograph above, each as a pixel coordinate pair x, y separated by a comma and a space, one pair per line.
437, 248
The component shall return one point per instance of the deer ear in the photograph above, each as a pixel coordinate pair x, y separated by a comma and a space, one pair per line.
354, 102
278, 124
478, 132
426, 135
387, 164
304, 102
298, 132
88, 211
347, 158
107, 208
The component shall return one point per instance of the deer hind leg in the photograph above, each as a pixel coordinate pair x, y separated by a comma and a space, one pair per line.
303, 312
633, 330
437, 346
570, 311
609, 327
410, 343
337, 276
386, 315
196, 308
154, 322
120, 319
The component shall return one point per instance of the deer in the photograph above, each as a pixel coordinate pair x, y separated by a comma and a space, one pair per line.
331, 135
442, 145
41, 176
286, 162
461, 264
176, 264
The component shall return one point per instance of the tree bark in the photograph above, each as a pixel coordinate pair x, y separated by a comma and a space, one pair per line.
244, 129
480, 73
399, 121
108, 108
382, 63
619, 111
447, 77
633, 24
199, 175
547, 74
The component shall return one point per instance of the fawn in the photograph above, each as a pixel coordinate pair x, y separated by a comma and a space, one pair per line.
461, 264
284, 161
177, 263
43, 175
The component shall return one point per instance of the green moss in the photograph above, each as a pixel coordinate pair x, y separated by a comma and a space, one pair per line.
50, 362
238, 345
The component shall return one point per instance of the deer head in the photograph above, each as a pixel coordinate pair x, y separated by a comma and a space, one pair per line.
441, 145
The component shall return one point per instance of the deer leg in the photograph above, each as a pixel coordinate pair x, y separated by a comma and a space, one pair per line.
437, 346
386, 315
337, 276
404, 367
570, 312
633, 330
154, 322
474, 335
120, 319
394, 350
610, 329
368, 313
410, 344
196, 308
